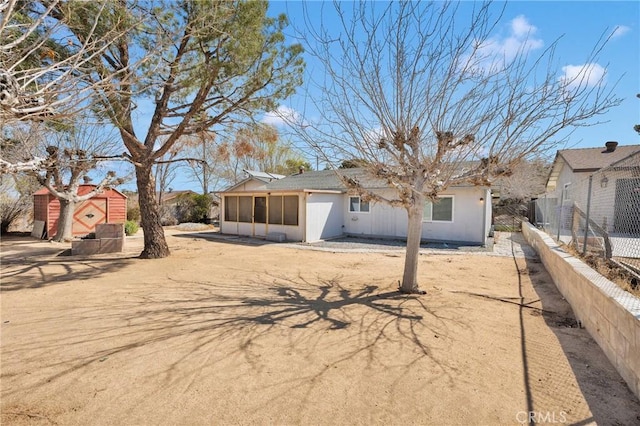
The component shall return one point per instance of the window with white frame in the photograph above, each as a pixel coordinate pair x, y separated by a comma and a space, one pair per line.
440, 210
356, 205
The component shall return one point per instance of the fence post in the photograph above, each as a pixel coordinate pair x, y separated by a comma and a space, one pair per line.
586, 225
561, 208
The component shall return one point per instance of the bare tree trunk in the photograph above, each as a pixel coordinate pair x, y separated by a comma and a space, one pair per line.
155, 244
414, 235
64, 230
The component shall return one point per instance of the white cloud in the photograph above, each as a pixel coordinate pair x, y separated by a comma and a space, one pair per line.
496, 51
520, 27
619, 31
585, 75
281, 116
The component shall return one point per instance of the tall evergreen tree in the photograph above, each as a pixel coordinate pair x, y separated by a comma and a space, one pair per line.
193, 64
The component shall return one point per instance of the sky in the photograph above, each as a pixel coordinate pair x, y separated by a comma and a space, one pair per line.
578, 24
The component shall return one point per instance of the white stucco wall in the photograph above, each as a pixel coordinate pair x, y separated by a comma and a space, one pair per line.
323, 216
488, 209
236, 228
471, 219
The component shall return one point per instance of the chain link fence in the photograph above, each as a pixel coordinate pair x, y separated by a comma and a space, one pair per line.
599, 215
508, 215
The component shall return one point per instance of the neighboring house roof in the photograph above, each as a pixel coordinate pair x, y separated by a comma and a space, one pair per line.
587, 160
171, 196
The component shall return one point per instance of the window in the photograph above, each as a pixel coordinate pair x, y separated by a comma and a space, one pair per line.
357, 205
231, 208
275, 210
291, 210
439, 211
244, 209
283, 210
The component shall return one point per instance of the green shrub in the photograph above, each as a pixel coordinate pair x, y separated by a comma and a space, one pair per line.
193, 208
202, 207
130, 227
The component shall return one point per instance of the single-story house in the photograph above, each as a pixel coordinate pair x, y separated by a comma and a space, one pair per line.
109, 206
316, 205
615, 185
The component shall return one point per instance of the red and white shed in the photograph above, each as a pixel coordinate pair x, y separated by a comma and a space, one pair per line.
108, 207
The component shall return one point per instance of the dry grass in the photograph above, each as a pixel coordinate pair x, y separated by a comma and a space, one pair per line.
610, 270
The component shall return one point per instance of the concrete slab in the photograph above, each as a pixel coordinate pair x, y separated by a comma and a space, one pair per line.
278, 237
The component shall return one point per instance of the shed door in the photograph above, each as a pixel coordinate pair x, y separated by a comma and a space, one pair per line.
88, 214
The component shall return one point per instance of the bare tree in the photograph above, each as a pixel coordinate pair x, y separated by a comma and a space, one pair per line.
206, 159
166, 170
528, 180
68, 155
16, 199
420, 93
260, 147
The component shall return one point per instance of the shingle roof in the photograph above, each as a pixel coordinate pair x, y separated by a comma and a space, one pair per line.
592, 159
587, 160
324, 180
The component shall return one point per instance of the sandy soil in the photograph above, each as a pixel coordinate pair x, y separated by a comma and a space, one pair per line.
223, 333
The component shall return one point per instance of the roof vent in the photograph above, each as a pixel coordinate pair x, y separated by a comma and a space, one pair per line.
611, 146
301, 170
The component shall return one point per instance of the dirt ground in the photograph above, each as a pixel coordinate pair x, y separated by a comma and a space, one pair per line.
242, 333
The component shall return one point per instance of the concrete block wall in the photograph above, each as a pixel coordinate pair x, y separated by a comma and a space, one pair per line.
109, 239
109, 230
85, 247
610, 314
111, 245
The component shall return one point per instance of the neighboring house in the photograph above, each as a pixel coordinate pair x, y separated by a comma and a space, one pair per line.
170, 204
314, 206
615, 186
172, 198
109, 206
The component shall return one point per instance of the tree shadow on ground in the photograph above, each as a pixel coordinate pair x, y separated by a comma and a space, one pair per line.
27, 263
219, 237
609, 399
222, 316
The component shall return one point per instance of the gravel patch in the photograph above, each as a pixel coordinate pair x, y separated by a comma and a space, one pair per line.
504, 244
